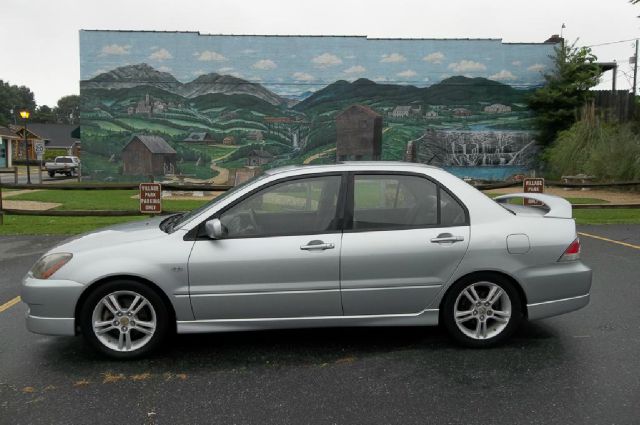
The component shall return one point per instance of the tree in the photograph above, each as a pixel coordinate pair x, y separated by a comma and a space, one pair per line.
12, 99
566, 90
44, 114
67, 111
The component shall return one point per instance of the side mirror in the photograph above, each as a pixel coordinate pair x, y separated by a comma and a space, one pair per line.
214, 229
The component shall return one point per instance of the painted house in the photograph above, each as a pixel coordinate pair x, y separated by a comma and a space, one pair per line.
256, 158
497, 108
7, 137
462, 112
430, 115
148, 155
359, 134
201, 137
401, 111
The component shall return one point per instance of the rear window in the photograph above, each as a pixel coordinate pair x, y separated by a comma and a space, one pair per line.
64, 160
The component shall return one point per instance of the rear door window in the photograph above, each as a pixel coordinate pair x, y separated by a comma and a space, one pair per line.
393, 202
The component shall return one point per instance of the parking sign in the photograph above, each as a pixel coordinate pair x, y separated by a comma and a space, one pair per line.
533, 185
150, 198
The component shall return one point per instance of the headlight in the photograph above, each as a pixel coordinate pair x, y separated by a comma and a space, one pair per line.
49, 264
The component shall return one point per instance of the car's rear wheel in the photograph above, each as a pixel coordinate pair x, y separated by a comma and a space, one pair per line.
482, 310
124, 319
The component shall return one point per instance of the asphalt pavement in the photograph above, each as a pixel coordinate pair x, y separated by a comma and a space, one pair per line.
580, 368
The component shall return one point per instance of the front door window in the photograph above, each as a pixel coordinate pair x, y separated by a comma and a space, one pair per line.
295, 207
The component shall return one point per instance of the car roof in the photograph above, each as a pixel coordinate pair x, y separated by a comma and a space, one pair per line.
351, 165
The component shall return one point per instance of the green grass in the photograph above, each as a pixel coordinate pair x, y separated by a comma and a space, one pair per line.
100, 200
608, 216
37, 225
570, 199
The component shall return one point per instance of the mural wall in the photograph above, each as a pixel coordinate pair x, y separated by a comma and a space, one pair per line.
205, 108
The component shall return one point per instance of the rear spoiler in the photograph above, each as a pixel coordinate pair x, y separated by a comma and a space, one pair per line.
558, 207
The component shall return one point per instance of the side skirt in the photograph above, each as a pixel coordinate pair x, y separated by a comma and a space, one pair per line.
427, 317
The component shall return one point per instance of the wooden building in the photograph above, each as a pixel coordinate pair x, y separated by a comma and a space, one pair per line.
359, 134
202, 137
256, 158
148, 155
7, 138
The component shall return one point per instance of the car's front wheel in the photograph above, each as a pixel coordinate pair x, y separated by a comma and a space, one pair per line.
124, 319
482, 310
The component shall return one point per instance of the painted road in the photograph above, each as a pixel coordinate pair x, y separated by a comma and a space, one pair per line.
580, 368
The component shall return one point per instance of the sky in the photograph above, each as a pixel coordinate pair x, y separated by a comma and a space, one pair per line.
39, 39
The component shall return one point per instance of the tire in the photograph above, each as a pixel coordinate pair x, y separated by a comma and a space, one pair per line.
115, 329
51, 173
477, 324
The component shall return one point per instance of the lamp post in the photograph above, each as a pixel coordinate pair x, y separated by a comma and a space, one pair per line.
25, 116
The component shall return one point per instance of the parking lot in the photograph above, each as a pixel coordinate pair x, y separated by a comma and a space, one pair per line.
579, 368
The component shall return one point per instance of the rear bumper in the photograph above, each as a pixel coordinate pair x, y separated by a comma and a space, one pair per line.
556, 288
556, 307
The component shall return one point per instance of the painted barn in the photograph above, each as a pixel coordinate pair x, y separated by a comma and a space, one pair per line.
148, 155
201, 137
359, 131
259, 157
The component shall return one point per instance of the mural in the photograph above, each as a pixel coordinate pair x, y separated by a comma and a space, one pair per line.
185, 106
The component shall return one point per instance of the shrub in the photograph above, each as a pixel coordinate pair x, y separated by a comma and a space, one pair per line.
607, 151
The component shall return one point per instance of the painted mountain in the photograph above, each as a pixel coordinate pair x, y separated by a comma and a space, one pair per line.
457, 90
130, 76
218, 123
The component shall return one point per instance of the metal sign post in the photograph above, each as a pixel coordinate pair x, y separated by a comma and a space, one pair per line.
39, 148
150, 198
532, 185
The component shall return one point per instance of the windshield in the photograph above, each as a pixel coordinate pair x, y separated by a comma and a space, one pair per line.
180, 219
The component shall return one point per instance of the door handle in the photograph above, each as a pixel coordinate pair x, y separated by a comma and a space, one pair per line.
317, 246
447, 237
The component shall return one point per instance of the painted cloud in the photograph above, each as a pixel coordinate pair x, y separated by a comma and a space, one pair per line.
435, 57
160, 55
393, 57
115, 49
265, 64
503, 75
210, 55
467, 66
356, 69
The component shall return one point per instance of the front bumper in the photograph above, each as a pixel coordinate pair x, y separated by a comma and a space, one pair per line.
51, 305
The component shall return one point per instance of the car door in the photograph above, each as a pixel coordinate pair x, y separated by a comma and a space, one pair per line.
405, 235
280, 257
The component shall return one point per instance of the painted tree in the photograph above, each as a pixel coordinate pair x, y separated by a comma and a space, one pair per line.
566, 90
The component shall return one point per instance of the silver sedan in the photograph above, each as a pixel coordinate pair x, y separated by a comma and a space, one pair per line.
351, 244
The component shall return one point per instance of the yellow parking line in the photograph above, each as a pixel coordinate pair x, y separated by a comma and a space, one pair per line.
10, 303
629, 245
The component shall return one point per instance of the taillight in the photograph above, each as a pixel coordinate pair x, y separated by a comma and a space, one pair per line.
572, 252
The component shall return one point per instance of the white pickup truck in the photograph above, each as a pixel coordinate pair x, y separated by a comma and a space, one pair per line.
63, 165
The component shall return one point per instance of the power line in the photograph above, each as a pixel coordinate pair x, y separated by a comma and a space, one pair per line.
612, 42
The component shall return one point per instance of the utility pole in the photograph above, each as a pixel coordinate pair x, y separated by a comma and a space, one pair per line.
635, 68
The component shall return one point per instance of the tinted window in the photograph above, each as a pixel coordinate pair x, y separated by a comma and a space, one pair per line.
302, 206
451, 212
384, 201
